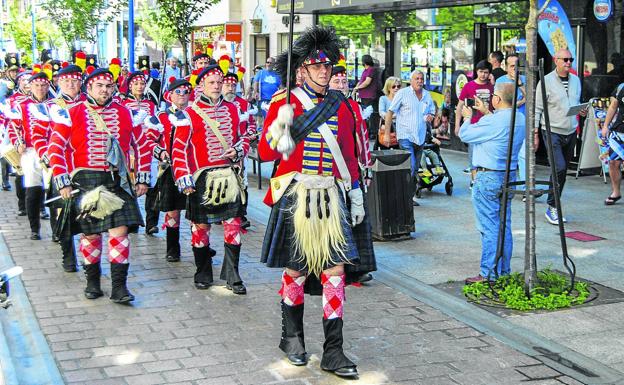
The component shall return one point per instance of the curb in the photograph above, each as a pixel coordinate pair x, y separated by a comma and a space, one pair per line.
557, 356
30, 360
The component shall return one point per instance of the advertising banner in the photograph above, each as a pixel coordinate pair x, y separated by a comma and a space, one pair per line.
554, 28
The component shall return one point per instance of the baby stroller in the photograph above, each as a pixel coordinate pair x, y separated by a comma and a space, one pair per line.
428, 178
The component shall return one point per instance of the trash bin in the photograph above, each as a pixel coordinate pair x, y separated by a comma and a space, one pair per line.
390, 195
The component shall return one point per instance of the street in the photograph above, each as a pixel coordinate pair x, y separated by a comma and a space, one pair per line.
173, 333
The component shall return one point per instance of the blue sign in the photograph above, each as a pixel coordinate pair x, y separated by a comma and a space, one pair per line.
554, 28
603, 10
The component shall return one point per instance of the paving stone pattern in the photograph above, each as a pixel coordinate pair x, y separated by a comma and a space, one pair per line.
175, 334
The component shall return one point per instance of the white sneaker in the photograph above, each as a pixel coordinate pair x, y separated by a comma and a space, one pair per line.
552, 217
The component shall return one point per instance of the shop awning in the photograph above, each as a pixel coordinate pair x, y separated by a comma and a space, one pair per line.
370, 6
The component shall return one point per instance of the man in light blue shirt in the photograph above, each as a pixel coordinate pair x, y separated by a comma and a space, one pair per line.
490, 140
172, 69
414, 109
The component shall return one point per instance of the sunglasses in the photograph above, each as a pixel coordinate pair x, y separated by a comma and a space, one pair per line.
396, 86
179, 91
567, 59
269, 62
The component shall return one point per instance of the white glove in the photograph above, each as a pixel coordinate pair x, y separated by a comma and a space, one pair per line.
368, 111
280, 131
357, 206
264, 106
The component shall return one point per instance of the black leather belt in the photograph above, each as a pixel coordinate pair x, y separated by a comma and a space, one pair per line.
487, 169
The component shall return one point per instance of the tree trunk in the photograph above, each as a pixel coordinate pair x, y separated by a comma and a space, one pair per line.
185, 56
530, 260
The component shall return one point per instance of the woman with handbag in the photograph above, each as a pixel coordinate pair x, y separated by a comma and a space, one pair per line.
387, 134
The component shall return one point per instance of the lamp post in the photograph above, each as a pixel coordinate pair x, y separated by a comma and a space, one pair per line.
34, 32
131, 35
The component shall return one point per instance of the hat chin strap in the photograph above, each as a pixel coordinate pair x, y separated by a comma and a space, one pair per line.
313, 81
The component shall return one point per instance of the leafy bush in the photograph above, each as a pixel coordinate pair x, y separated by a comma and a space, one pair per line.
550, 293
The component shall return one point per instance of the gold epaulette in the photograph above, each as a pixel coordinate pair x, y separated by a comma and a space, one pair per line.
278, 96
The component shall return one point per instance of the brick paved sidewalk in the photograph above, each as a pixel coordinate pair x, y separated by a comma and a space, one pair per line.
176, 334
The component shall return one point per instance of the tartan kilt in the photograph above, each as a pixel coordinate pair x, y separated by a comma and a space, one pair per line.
278, 246
129, 215
364, 242
198, 213
169, 198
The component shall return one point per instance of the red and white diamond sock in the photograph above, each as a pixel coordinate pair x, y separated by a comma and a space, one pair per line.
91, 248
232, 231
171, 221
292, 289
333, 295
118, 249
200, 237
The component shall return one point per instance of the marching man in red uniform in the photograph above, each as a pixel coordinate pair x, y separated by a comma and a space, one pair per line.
362, 232
69, 82
139, 104
171, 201
89, 151
206, 150
30, 119
315, 195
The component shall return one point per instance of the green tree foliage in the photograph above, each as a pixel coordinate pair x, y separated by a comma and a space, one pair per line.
180, 15
78, 19
19, 28
148, 20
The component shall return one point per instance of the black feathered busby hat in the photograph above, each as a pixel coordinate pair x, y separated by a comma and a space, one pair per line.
12, 61
315, 45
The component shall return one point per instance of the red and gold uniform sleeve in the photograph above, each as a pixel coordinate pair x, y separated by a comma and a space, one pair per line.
39, 127
61, 125
179, 153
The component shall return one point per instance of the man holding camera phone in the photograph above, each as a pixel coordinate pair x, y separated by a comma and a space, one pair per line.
481, 88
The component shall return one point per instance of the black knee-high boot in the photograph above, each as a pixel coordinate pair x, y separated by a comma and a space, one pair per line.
69, 253
334, 359
119, 290
93, 273
151, 215
203, 262
173, 244
292, 342
229, 269
20, 192
33, 209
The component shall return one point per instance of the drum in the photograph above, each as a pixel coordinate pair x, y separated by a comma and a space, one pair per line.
13, 157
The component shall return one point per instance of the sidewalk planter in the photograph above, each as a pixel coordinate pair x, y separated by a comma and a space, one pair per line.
390, 195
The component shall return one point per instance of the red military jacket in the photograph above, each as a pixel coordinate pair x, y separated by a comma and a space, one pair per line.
32, 117
361, 136
76, 142
311, 155
135, 104
248, 122
163, 130
12, 118
196, 147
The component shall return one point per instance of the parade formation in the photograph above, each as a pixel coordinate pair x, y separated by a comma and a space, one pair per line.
87, 142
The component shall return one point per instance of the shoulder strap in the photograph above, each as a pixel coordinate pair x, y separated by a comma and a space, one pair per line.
61, 103
329, 138
213, 124
97, 118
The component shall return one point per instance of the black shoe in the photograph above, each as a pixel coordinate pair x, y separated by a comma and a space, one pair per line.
365, 278
21, 213
297, 359
45, 215
6, 188
202, 286
70, 269
172, 258
55, 239
346, 372
152, 230
245, 223
237, 288
35, 236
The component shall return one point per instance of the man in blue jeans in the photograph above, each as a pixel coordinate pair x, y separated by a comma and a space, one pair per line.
563, 90
489, 138
414, 109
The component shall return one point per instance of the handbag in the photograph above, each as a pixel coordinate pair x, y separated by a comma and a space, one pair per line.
387, 137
